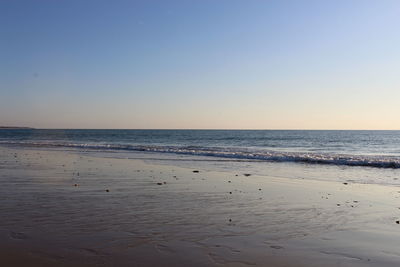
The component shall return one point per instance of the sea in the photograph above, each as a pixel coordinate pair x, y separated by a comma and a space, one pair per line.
351, 156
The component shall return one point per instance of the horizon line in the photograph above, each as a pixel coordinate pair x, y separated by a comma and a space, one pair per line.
195, 129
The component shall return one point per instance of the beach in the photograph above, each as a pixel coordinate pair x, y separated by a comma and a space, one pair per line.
199, 133
73, 208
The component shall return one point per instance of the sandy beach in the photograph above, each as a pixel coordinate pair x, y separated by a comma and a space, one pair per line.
70, 208
219, 133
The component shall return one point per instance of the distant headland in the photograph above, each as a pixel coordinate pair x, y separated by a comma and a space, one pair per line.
14, 127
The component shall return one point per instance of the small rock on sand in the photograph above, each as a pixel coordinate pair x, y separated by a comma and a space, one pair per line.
159, 183
246, 174
196, 171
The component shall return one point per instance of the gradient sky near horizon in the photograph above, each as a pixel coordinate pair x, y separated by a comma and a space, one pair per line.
222, 64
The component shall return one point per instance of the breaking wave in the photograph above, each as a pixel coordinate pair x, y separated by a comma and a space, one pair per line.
235, 153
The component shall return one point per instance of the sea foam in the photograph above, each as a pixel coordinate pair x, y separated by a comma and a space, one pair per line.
234, 153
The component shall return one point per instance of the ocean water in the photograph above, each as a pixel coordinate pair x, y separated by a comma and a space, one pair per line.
352, 156
378, 149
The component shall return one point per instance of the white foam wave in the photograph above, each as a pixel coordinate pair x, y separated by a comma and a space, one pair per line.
236, 153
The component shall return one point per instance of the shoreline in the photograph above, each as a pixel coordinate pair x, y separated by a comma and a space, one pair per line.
58, 210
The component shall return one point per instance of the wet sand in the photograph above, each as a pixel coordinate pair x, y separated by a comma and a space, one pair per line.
62, 208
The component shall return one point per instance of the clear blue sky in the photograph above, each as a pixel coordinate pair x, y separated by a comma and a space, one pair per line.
200, 64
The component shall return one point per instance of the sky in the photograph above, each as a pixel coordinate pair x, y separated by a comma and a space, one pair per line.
220, 64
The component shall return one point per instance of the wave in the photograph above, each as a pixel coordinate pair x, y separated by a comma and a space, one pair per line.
235, 153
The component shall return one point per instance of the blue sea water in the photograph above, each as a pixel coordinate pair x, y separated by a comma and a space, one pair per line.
377, 149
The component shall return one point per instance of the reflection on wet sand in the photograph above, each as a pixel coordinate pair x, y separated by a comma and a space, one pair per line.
72, 209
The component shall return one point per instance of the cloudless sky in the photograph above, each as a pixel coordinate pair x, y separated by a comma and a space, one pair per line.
200, 64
